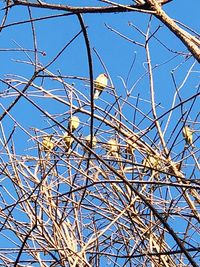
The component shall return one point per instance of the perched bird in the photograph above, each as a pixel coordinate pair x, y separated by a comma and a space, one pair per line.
73, 123
88, 140
100, 84
188, 135
47, 144
151, 162
68, 141
113, 148
130, 147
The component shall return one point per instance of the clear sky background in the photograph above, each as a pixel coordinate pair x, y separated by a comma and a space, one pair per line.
117, 54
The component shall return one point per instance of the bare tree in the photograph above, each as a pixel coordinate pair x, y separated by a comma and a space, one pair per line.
110, 180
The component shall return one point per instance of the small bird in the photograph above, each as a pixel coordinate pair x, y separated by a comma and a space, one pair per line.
151, 162
130, 147
100, 84
188, 135
88, 140
113, 148
73, 123
68, 141
47, 144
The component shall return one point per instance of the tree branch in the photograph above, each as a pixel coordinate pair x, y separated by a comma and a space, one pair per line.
190, 41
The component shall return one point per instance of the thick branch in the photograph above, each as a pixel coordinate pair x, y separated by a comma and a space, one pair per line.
82, 10
190, 41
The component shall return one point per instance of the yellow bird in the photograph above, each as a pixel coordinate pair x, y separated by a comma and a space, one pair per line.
68, 141
73, 123
130, 147
88, 140
188, 135
113, 148
100, 84
47, 144
151, 162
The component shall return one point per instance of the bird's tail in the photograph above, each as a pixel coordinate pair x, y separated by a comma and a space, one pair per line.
96, 94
